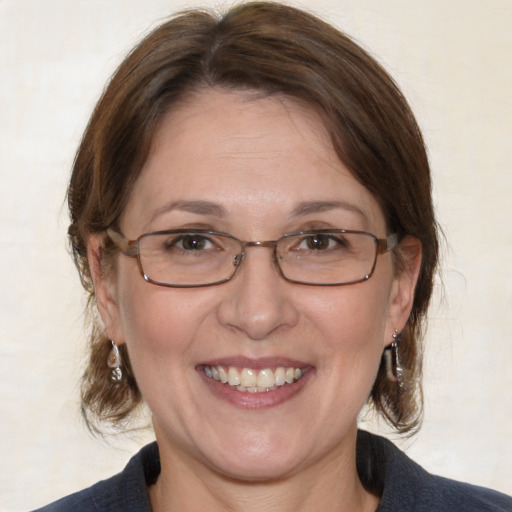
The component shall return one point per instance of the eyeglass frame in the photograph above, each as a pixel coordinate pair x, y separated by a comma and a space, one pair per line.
131, 249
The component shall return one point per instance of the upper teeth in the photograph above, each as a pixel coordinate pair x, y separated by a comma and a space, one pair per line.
254, 380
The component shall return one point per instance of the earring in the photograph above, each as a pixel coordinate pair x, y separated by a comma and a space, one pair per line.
114, 362
394, 370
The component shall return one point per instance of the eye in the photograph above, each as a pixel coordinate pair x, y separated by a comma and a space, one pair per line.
319, 242
190, 242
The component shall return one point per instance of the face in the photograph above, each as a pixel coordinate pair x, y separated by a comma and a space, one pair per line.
257, 169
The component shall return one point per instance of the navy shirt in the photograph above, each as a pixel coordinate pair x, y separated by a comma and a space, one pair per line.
402, 484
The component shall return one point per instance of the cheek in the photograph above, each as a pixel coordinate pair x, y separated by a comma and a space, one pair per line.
355, 314
160, 332
158, 319
155, 319
352, 324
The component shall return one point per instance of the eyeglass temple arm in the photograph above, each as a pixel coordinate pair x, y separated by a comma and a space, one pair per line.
386, 244
128, 247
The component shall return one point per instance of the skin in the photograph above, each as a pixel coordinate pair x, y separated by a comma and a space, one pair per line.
256, 160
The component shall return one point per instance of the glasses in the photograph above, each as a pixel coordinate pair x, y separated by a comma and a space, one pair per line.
185, 258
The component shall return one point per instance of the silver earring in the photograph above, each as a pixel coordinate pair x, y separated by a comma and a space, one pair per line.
394, 371
114, 362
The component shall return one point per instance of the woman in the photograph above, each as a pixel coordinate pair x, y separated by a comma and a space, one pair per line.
252, 218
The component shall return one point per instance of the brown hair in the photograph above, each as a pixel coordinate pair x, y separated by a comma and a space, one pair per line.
273, 49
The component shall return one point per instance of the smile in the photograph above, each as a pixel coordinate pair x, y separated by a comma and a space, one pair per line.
254, 381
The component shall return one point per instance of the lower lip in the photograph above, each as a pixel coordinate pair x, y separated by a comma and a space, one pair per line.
263, 400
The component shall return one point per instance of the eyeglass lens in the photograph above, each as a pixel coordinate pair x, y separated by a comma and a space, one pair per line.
200, 259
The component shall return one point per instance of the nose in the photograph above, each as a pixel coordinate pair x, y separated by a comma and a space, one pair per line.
258, 301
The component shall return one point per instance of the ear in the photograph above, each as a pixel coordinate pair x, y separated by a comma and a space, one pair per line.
404, 285
105, 289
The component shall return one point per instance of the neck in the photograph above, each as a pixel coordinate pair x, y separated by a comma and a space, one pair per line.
187, 485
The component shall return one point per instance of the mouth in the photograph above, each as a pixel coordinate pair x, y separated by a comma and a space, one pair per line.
252, 380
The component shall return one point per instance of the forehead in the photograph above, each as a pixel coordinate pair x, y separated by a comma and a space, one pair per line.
261, 156
243, 123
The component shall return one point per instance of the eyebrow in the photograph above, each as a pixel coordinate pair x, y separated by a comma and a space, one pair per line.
302, 209
197, 207
310, 207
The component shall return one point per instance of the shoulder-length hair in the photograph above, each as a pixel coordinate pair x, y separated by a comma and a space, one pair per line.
272, 49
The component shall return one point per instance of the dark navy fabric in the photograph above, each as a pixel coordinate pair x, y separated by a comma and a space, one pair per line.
405, 486
383, 468
124, 492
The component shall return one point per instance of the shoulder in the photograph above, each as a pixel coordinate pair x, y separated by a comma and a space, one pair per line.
405, 486
124, 492
461, 496
79, 502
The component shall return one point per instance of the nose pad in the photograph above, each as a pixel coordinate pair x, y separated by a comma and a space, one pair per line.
237, 260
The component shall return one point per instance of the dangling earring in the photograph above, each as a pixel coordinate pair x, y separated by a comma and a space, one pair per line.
394, 369
114, 362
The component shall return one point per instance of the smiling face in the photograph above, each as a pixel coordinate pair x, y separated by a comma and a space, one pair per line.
256, 169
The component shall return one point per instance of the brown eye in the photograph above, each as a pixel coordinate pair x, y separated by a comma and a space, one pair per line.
318, 242
190, 242
194, 242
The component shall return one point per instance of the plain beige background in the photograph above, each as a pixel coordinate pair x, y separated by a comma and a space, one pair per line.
453, 61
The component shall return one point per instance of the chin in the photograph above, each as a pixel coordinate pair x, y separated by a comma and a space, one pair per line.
257, 463
258, 471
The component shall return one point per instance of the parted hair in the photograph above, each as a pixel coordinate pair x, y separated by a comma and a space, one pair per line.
271, 49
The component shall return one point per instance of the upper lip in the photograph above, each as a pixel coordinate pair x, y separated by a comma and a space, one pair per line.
259, 363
